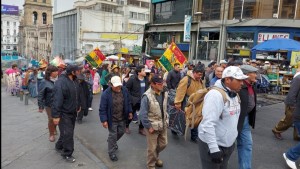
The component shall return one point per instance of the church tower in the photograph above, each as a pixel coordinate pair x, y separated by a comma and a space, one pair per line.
37, 12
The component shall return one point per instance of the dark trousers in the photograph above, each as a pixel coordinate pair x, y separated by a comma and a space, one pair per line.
194, 133
135, 108
116, 131
90, 99
206, 160
66, 137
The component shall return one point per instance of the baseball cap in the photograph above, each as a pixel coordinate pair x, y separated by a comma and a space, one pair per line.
157, 79
223, 62
71, 68
253, 61
267, 62
234, 72
116, 81
248, 69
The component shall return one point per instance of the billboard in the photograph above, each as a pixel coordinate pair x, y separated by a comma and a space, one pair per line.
9, 9
187, 28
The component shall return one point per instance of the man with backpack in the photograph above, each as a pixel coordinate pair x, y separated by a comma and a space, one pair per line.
218, 128
187, 86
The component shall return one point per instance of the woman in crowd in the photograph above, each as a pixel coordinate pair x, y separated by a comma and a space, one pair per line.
45, 97
32, 83
96, 87
104, 73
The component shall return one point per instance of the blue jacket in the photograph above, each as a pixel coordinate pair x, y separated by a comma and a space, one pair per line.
106, 105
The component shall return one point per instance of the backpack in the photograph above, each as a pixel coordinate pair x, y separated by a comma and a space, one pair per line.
193, 109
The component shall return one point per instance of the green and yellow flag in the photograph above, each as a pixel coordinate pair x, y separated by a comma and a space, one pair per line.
171, 56
95, 58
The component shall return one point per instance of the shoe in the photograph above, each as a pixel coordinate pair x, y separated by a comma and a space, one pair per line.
90, 109
70, 159
194, 140
277, 135
127, 131
289, 162
52, 138
142, 132
116, 147
79, 121
159, 163
174, 132
113, 157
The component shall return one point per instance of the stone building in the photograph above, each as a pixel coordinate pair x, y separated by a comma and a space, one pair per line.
35, 30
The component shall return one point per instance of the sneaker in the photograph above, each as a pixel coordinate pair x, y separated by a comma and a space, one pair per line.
70, 159
52, 138
159, 163
289, 162
277, 135
90, 109
113, 157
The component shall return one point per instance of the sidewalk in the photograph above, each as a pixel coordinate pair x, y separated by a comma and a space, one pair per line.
25, 140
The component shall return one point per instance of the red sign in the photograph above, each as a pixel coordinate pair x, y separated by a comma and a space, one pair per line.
266, 36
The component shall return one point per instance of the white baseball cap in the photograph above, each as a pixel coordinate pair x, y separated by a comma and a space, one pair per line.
234, 72
223, 62
116, 81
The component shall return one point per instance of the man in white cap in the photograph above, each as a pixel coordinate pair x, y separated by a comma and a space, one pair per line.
223, 63
115, 109
217, 131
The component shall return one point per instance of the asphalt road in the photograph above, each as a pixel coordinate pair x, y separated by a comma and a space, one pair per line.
181, 154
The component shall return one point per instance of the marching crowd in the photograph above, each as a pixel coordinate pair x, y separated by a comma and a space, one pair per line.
147, 95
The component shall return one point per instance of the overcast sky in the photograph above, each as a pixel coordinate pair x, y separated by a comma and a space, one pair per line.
62, 5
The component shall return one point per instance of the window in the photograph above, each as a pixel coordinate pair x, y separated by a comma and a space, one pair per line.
15, 39
7, 47
145, 4
141, 16
147, 17
211, 9
15, 23
7, 23
44, 18
8, 32
34, 17
44, 1
34, 0
133, 15
15, 32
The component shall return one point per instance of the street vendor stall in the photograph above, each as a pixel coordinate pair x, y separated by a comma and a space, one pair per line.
281, 77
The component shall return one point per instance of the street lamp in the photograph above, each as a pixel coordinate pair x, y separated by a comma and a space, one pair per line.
197, 43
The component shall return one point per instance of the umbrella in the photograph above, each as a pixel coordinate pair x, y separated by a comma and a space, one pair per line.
79, 60
114, 58
278, 44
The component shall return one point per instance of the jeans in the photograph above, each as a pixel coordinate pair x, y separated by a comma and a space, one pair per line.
244, 146
294, 153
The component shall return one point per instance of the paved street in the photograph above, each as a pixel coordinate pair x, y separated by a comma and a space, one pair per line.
25, 142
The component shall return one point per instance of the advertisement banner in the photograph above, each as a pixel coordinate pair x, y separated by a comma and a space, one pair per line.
267, 36
9, 10
295, 58
187, 28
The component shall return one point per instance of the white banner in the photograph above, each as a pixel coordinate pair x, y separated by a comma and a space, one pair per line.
266, 36
187, 28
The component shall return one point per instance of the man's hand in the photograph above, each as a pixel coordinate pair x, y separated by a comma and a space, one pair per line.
56, 121
130, 116
217, 157
151, 130
41, 110
79, 109
105, 125
178, 106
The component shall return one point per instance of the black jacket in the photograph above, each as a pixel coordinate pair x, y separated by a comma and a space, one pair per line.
65, 96
45, 94
133, 86
173, 79
84, 94
244, 106
293, 97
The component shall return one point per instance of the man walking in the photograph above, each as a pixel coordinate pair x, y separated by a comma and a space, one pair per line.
218, 128
187, 86
136, 86
115, 109
293, 100
66, 105
247, 117
154, 117
218, 75
174, 77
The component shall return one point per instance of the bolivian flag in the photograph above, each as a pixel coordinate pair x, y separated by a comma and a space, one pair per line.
95, 57
171, 56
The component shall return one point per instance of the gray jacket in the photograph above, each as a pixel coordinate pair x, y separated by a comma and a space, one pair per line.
219, 124
293, 97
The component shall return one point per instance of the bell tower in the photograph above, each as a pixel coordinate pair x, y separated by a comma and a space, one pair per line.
37, 12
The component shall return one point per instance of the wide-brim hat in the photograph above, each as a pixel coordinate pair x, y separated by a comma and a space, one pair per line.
115, 66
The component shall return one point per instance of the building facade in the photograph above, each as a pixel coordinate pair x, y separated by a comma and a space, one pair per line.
227, 28
109, 25
10, 22
36, 30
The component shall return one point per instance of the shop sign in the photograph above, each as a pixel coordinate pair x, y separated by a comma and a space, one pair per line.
266, 36
187, 28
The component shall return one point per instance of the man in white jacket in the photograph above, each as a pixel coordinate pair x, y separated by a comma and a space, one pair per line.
218, 128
